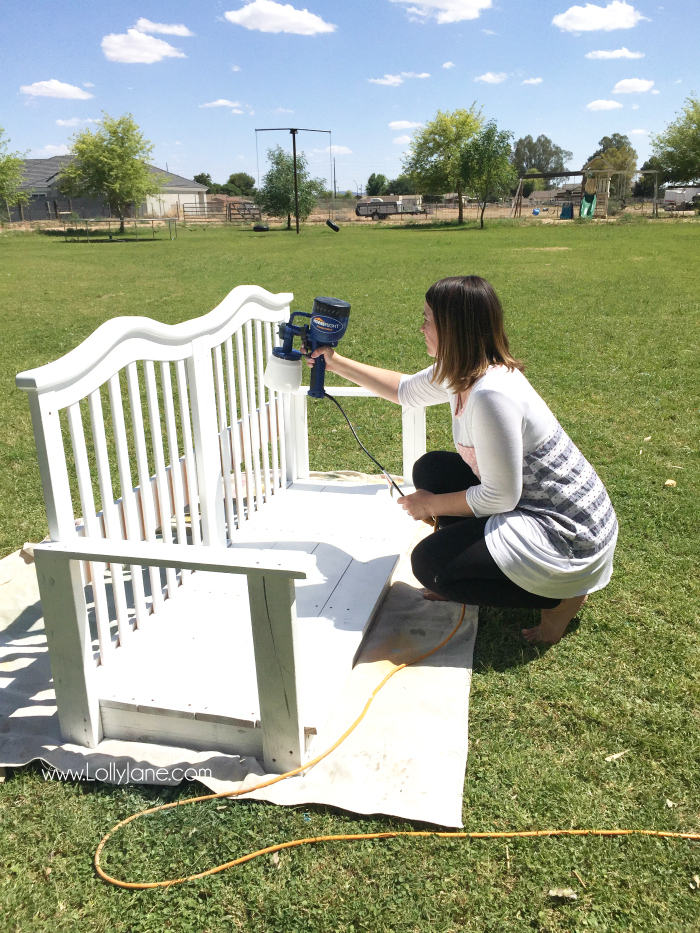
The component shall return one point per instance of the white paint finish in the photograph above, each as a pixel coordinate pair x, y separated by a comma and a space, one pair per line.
190, 468
68, 638
275, 640
263, 413
254, 415
224, 442
51, 457
413, 434
245, 425
174, 474
195, 734
148, 508
299, 446
235, 435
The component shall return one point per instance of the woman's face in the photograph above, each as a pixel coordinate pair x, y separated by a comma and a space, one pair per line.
429, 330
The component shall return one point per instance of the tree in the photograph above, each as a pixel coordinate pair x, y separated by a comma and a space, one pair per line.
541, 155
244, 182
622, 163
403, 184
376, 185
644, 186
112, 163
11, 174
486, 164
204, 178
616, 141
435, 157
678, 147
276, 196
530, 186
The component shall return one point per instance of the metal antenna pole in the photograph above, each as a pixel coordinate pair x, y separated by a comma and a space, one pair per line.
296, 185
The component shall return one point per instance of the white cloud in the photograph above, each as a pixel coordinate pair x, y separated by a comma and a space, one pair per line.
589, 18
445, 11
49, 151
638, 133
388, 80
615, 53
335, 150
222, 102
635, 106
489, 32
88, 84
76, 121
235, 67
413, 74
283, 110
401, 140
656, 92
54, 88
134, 47
533, 81
236, 110
492, 77
268, 16
633, 86
448, 65
603, 105
403, 125
174, 29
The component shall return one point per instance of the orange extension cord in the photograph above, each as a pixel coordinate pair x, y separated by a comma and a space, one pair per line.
140, 885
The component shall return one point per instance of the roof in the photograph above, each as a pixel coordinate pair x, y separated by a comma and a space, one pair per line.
41, 173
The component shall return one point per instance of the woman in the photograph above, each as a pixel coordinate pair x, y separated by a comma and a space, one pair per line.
523, 521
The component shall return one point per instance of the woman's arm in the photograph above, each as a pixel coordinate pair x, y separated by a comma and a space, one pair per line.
423, 504
383, 382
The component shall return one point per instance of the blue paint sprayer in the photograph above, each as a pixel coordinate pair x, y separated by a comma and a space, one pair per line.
326, 326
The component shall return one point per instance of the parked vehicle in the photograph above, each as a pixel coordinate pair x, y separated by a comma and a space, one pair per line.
681, 198
376, 208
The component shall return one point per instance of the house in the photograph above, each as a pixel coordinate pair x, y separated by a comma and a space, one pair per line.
48, 203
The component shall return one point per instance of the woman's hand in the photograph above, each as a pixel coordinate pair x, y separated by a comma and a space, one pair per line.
419, 505
327, 352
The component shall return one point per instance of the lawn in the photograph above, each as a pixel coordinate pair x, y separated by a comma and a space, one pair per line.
605, 318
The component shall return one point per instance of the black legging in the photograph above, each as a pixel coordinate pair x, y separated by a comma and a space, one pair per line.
454, 562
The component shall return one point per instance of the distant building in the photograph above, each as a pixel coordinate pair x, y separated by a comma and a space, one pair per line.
47, 202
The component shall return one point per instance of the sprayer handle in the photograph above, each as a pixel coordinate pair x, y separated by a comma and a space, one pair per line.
317, 387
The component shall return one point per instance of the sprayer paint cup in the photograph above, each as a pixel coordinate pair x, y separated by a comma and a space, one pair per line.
283, 375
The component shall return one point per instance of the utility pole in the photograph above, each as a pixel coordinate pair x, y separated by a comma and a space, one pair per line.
335, 190
296, 185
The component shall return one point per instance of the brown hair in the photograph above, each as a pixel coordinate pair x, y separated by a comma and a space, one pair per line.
470, 335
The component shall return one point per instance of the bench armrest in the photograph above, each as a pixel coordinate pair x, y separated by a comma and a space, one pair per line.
249, 561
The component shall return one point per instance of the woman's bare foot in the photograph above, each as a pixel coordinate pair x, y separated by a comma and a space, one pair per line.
553, 622
433, 597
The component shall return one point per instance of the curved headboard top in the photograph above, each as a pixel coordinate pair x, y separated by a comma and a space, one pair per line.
143, 333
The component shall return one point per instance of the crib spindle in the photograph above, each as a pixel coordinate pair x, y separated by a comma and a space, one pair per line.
190, 466
245, 425
92, 529
148, 509
254, 417
279, 414
174, 454
128, 496
224, 441
271, 416
263, 412
110, 513
241, 511
165, 511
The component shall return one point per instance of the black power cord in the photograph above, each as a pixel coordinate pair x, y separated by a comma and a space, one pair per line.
354, 434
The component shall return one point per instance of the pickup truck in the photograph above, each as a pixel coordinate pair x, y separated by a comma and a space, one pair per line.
376, 209
681, 199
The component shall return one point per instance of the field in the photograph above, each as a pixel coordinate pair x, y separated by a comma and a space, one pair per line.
606, 319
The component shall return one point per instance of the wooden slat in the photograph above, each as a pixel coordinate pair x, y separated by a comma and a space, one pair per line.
252, 407
128, 495
174, 471
236, 437
263, 424
273, 617
148, 508
165, 510
282, 428
224, 440
245, 424
110, 513
272, 416
190, 467
92, 528
70, 650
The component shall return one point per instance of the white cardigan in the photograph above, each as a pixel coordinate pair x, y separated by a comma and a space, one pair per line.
551, 528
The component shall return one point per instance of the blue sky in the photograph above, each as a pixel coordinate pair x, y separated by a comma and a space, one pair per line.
369, 70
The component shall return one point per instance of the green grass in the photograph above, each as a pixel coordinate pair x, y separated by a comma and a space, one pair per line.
608, 329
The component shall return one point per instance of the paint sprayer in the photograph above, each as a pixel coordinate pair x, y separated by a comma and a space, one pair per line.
326, 326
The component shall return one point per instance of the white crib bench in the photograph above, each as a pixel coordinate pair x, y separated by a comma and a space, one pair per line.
200, 588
